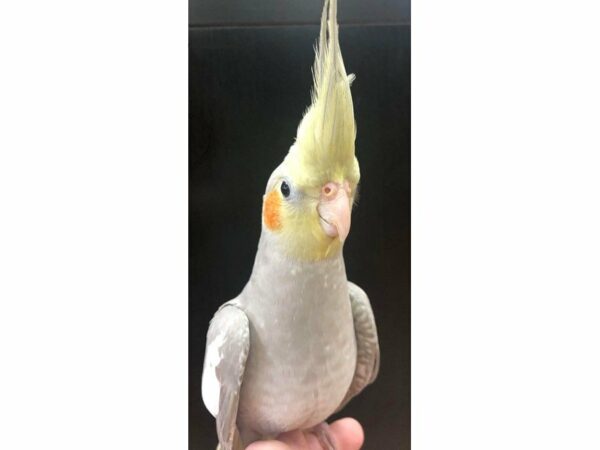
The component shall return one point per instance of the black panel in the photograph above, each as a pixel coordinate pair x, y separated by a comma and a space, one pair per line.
248, 90
244, 12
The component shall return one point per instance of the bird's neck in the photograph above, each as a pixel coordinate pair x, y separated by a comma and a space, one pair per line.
278, 278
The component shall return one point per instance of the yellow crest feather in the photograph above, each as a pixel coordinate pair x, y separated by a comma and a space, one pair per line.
324, 147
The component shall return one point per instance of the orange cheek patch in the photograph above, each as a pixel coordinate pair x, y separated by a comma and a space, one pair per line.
271, 211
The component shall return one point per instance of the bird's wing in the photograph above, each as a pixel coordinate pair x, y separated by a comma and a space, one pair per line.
367, 343
227, 346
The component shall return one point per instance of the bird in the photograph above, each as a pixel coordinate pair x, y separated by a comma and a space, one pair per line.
300, 340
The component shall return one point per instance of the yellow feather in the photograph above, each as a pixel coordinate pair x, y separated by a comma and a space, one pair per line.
324, 147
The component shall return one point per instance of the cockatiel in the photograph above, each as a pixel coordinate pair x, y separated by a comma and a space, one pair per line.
300, 340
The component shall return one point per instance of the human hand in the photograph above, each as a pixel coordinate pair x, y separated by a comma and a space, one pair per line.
347, 434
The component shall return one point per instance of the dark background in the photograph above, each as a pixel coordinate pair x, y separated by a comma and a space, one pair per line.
249, 83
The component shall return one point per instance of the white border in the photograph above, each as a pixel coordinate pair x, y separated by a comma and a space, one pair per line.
506, 225
93, 228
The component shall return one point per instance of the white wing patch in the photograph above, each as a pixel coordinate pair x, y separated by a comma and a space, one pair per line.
211, 387
227, 347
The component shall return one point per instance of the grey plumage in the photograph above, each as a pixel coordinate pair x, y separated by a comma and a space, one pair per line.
367, 343
227, 345
311, 344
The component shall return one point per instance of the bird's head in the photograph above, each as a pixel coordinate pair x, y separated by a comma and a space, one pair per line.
309, 197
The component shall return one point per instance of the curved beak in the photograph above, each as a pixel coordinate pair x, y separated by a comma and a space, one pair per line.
334, 210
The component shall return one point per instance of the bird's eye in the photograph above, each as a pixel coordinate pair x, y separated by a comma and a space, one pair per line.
285, 189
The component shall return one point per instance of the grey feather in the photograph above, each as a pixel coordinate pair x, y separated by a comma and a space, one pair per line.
229, 327
367, 343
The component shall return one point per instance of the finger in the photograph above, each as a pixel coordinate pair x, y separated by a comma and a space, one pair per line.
268, 445
312, 442
294, 439
348, 432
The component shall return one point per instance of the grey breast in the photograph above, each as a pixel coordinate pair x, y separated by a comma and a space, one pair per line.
302, 344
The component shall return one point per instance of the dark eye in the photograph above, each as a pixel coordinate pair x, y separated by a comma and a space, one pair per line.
285, 189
